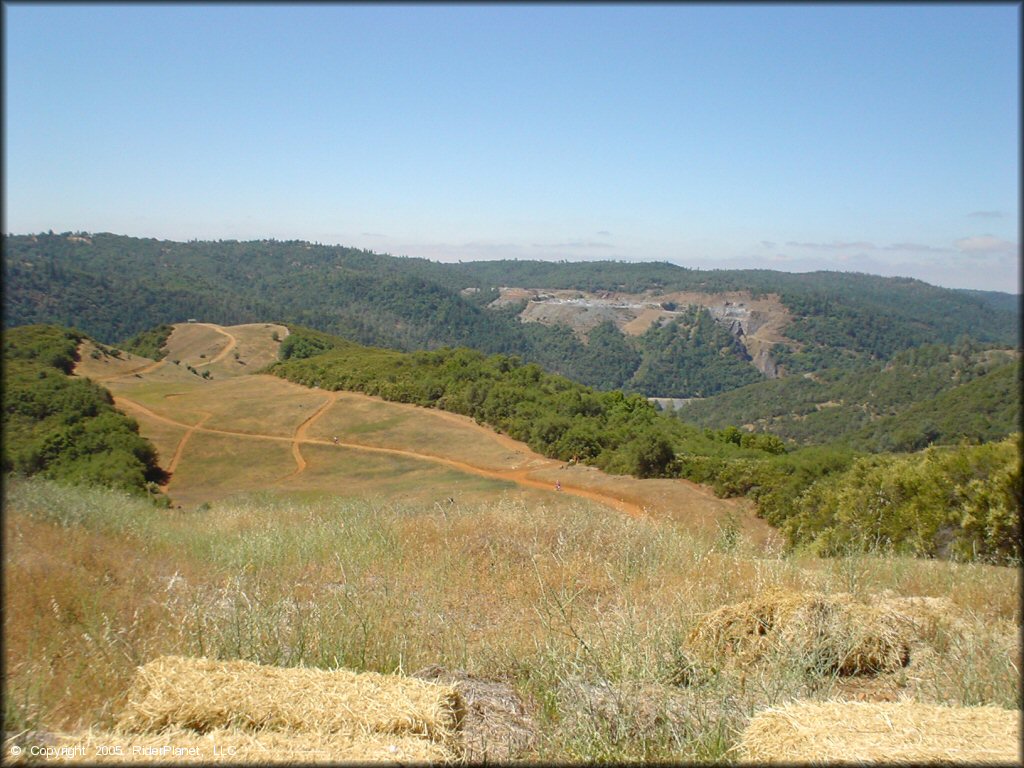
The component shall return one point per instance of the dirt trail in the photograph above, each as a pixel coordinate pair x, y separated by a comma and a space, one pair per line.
232, 343
466, 422
147, 368
519, 476
300, 435
180, 449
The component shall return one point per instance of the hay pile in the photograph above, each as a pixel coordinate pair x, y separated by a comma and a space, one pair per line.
201, 694
828, 634
180, 709
904, 732
497, 726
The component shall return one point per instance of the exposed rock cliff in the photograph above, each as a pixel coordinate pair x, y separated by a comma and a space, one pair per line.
758, 323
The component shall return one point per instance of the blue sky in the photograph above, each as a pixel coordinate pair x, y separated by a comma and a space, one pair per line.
868, 138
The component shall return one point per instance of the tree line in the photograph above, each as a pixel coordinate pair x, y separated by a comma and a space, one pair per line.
66, 428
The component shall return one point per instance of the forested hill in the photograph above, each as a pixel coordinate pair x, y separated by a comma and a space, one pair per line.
866, 313
932, 394
64, 427
113, 287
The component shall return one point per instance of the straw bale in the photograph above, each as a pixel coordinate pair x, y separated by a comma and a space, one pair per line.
827, 633
497, 726
233, 745
202, 695
902, 732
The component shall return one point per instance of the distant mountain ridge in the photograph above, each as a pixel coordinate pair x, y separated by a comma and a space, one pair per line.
113, 287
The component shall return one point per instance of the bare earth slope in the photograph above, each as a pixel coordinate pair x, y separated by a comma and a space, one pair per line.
240, 432
759, 322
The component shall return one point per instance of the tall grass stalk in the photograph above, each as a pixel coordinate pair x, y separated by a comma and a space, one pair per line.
586, 612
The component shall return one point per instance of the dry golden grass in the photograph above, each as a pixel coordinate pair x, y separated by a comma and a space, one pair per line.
234, 746
863, 575
369, 421
353, 473
100, 366
902, 732
568, 605
196, 343
165, 438
226, 351
217, 466
680, 501
262, 405
79, 614
255, 348
254, 407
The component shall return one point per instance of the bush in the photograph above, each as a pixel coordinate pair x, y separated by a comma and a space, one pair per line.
958, 502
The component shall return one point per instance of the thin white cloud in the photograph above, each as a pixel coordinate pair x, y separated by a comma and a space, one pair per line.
985, 215
917, 247
979, 245
833, 246
767, 244
985, 244
572, 244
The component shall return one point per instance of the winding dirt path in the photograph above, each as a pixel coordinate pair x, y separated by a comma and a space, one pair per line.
300, 435
180, 449
232, 343
147, 368
519, 476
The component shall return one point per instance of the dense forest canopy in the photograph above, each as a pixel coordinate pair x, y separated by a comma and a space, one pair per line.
936, 393
114, 287
66, 428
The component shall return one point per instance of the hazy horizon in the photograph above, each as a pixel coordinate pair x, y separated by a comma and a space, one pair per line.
877, 139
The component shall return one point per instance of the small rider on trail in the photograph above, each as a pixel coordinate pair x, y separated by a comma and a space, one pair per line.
335, 439
558, 485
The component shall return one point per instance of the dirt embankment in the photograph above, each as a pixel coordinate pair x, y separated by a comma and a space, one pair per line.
759, 323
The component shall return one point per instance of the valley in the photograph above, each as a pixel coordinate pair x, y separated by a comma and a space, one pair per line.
829, 518
512, 385
243, 432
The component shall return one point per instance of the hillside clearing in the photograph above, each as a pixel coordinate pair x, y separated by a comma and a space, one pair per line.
227, 435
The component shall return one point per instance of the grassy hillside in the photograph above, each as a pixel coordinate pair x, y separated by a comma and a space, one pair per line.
933, 394
590, 626
618, 433
62, 427
552, 414
113, 287
599, 624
